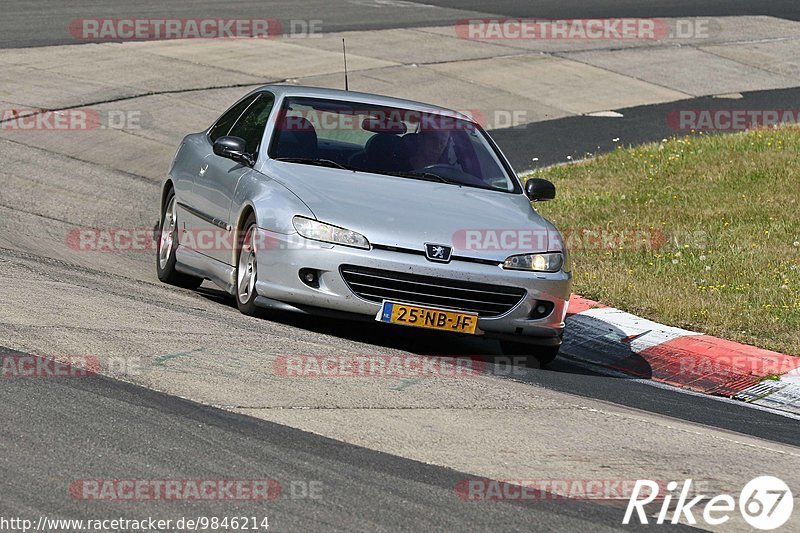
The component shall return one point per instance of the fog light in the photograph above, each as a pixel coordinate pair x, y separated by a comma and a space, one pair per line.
541, 309
310, 277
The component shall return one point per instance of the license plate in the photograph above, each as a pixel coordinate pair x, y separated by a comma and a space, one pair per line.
427, 317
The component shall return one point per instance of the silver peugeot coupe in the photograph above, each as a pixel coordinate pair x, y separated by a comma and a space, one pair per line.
338, 203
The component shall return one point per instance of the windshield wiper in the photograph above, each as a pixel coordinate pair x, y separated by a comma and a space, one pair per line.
308, 161
427, 176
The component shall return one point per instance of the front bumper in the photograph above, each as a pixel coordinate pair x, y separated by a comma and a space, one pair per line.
280, 261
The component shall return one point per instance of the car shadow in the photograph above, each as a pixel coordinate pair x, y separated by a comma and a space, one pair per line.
590, 345
595, 342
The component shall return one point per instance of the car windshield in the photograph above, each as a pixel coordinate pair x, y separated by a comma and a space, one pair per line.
405, 143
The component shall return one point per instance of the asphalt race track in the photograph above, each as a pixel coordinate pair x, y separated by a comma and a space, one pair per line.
154, 435
554, 141
564, 9
388, 456
46, 24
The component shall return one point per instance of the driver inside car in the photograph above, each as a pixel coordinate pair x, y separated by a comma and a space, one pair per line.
428, 147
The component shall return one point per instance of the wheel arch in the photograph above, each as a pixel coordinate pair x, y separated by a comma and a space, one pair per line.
272, 204
165, 188
244, 213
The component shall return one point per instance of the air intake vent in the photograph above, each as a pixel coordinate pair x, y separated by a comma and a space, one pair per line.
377, 285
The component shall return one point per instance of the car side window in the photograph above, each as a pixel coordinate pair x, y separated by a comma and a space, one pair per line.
251, 124
226, 121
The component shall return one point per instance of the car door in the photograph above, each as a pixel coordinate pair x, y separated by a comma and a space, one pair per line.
216, 181
193, 210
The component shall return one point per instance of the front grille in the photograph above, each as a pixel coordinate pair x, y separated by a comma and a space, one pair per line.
377, 285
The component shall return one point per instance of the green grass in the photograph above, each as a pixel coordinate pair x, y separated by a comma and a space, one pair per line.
728, 207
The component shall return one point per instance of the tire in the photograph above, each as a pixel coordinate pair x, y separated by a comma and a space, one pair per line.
167, 244
535, 356
247, 269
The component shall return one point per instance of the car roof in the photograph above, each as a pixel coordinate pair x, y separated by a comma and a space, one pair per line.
355, 96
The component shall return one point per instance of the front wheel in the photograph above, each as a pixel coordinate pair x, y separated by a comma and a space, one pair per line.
167, 244
247, 269
535, 356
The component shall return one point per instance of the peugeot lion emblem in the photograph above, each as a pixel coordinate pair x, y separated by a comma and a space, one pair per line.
438, 252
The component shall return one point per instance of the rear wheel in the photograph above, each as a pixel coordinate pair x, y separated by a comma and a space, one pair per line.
535, 356
167, 244
247, 269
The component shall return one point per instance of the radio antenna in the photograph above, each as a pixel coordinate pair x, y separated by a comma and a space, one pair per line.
344, 53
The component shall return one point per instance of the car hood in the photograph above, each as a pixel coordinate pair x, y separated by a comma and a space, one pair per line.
407, 213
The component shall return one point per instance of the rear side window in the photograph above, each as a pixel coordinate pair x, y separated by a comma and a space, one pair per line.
226, 121
251, 124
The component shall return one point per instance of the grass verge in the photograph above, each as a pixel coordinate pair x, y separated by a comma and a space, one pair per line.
700, 232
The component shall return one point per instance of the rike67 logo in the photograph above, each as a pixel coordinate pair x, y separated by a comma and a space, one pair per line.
765, 503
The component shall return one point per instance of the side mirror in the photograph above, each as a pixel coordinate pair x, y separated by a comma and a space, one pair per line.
539, 190
233, 148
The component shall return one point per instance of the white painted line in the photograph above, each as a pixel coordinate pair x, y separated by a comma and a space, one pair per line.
786, 397
793, 376
605, 114
392, 3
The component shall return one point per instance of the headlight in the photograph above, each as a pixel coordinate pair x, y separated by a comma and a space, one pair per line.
319, 231
550, 262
